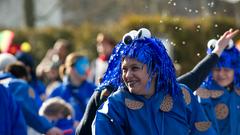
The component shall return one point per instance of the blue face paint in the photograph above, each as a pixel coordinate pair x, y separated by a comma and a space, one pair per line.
81, 66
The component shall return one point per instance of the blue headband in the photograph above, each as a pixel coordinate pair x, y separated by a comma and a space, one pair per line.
81, 65
147, 50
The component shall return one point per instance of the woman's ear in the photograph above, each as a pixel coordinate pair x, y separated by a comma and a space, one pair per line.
61, 71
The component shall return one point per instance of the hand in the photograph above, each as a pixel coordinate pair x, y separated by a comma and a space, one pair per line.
54, 131
223, 41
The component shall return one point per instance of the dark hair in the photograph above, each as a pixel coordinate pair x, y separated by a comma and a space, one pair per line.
17, 69
26, 58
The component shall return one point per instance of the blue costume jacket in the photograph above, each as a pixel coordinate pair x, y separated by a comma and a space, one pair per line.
222, 107
125, 113
25, 97
39, 89
11, 119
77, 96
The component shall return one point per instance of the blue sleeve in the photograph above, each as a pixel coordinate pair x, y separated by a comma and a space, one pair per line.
38, 86
109, 119
11, 119
19, 126
29, 106
42, 87
103, 125
35, 121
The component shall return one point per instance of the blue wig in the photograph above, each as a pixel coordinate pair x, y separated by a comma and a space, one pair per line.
147, 50
230, 58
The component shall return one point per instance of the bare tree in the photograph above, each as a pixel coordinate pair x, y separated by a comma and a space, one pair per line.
29, 13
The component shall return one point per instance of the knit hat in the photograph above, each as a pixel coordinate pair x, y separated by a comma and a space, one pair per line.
6, 59
81, 65
26, 58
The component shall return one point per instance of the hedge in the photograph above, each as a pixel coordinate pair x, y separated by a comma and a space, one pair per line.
187, 36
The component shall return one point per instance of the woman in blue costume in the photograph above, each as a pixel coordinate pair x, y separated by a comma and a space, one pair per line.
75, 89
220, 93
148, 100
11, 118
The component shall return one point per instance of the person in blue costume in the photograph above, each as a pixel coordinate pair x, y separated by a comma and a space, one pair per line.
25, 97
60, 113
148, 100
11, 118
220, 93
19, 70
75, 89
37, 85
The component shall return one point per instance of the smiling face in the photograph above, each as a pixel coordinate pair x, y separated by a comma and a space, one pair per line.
223, 76
135, 77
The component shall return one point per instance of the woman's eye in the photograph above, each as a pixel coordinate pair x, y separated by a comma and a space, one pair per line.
124, 70
136, 68
227, 70
217, 69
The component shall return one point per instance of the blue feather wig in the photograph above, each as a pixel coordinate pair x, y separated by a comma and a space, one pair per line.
149, 51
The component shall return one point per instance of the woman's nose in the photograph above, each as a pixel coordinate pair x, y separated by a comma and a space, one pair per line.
128, 74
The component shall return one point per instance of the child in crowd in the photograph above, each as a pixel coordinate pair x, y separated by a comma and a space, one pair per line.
60, 113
